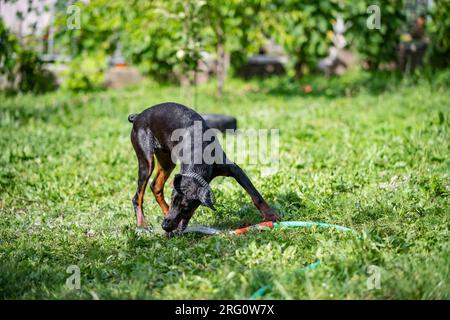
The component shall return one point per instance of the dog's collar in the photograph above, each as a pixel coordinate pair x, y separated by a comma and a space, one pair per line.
197, 177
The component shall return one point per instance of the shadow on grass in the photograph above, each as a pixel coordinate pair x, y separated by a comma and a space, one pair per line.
36, 274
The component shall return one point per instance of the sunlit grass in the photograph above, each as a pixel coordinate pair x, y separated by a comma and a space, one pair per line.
370, 153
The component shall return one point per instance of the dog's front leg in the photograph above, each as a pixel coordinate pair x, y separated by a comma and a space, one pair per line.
239, 175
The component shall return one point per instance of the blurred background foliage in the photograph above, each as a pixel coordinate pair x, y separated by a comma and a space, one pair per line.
303, 29
440, 34
376, 46
163, 38
22, 66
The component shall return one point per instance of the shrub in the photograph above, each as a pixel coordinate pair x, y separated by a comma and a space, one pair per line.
376, 46
85, 72
23, 70
439, 30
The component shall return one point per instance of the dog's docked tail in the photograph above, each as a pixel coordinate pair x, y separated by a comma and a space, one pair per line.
132, 117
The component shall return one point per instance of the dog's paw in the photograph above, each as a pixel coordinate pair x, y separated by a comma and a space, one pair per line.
272, 215
143, 230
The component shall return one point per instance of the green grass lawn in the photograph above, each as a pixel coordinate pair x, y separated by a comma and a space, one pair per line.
370, 153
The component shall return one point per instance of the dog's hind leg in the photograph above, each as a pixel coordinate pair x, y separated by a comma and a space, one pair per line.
239, 175
145, 154
165, 168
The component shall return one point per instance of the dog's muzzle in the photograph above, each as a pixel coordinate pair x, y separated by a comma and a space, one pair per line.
169, 224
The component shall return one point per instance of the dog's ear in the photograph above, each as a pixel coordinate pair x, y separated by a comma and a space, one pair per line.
206, 197
179, 185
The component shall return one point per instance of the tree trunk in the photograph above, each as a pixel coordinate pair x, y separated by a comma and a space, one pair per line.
298, 67
298, 70
221, 63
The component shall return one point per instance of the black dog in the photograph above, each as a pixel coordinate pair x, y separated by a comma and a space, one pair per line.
152, 136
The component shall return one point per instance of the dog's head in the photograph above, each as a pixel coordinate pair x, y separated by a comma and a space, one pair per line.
189, 191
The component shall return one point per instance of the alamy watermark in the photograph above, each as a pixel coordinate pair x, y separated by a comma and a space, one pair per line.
199, 145
74, 20
73, 282
374, 20
374, 279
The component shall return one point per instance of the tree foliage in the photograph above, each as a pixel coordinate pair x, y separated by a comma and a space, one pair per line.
375, 46
21, 66
166, 37
439, 29
162, 37
303, 28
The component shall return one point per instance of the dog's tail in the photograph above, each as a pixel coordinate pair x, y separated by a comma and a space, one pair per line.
132, 117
